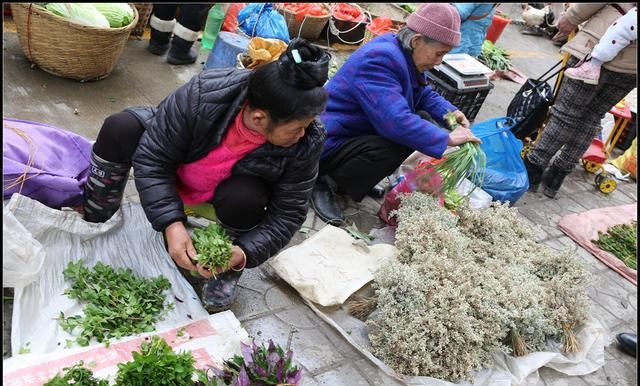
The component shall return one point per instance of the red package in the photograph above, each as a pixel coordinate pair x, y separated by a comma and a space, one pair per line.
230, 22
424, 178
306, 9
380, 25
348, 12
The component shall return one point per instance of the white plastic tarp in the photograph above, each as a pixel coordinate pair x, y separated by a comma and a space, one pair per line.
126, 240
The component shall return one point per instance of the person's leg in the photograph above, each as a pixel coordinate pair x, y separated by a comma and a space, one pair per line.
355, 167
612, 88
110, 166
240, 203
618, 36
162, 23
185, 33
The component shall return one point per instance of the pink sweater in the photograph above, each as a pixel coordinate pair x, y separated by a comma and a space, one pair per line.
197, 181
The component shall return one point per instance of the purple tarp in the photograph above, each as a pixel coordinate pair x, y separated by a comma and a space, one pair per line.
60, 163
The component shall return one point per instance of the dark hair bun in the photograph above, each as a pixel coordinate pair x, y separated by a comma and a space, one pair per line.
304, 65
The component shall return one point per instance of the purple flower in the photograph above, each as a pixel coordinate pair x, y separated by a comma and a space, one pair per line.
247, 352
260, 371
294, 377
243, 378
272, 359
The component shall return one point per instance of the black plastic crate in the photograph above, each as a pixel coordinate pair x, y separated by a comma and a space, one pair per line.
468, 101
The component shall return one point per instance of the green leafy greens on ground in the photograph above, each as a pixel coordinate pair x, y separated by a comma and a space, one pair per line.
118, 302
622, 241
494, 57
157, 364
213, 247
76, 375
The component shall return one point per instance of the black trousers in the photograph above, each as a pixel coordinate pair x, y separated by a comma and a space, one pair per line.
361, 162
191, 15
240, 201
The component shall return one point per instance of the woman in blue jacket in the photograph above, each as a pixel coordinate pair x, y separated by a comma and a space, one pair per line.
373, 116
476, 19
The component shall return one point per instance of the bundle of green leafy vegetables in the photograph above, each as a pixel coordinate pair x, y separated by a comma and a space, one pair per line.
622, 241
213, 247
494, 57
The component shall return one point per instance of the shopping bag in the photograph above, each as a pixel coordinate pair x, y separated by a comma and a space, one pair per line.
530, 105
260, 19
506, 176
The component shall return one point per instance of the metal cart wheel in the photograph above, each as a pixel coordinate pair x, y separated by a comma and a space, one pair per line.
591, 166
605, 183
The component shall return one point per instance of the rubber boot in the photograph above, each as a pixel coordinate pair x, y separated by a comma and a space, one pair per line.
159, 42
104, 189
324, 202
552, 179
161, 31
181, 52
534, 172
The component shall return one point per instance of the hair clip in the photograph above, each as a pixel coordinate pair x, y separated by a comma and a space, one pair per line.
296, 56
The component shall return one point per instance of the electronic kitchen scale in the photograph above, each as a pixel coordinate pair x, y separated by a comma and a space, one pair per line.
464, 71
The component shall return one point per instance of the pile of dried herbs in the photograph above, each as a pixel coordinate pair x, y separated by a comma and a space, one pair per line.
118, 302
622, 241
468, 285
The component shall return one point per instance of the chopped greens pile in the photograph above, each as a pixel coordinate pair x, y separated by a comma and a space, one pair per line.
76, 375
118, 302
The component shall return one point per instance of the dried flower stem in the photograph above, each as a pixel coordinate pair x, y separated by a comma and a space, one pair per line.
361, 306
518, 344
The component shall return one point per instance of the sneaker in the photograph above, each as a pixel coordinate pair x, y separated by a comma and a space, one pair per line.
586, 72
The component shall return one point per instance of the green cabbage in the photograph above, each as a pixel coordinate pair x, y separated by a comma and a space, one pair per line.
85, 14
118, 14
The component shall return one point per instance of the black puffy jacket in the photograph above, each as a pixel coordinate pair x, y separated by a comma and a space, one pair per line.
188, 124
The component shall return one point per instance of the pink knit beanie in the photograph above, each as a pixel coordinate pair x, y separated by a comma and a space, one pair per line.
437, 21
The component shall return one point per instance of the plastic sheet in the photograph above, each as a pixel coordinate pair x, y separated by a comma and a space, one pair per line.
125, 240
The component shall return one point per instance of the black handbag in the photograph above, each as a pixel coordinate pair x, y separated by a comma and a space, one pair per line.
530, 105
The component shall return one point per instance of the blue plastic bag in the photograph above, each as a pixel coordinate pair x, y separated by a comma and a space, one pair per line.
506, 176
260, 19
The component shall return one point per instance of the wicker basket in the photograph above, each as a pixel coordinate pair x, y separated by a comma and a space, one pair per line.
144, 14
67, 49
309, 27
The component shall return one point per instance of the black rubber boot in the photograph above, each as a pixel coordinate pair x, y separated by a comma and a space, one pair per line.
182, 52
324, 202
552, 179
377, 192
219, 293
104, 189
628, 343
534, 172
159, 42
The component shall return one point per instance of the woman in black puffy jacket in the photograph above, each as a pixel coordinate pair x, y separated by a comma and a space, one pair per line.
245, 142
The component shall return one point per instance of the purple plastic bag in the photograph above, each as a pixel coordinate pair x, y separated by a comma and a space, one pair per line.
60, 164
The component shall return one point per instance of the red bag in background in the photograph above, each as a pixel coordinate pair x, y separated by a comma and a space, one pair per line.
380, 25
230, 22
303, 9
424, 178
348, 12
